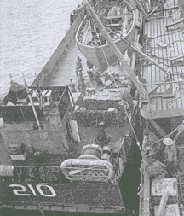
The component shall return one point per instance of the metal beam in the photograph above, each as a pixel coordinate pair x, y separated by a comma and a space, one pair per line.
116, 51
147, 57
160, 131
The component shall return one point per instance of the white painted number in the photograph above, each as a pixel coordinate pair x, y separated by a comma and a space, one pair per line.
39, 188
49, 187
32, 189
16, 192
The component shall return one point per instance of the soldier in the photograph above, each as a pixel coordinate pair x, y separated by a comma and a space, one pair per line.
79, 64
81, 85
72, 86
101, 136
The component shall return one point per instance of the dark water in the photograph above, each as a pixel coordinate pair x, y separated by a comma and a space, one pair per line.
131, 179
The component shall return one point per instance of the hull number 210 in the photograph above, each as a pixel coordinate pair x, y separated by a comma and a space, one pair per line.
42, 189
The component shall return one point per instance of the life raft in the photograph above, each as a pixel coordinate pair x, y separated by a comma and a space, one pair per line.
87, 170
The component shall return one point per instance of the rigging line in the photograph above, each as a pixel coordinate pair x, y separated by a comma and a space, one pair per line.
165, 46
155, 10
162, 35
163, 58
144, 55
168, 59
149, 64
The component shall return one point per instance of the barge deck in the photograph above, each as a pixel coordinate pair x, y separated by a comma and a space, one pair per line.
66, 67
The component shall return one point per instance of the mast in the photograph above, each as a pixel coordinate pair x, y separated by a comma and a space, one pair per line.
116, 51
33, 108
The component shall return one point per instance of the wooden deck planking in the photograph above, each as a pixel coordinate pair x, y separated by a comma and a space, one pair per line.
182, 98
156, 30
162, 26
147, 27
159, 103
171, 3
178, 43
170, 52
149, 78
159, 77
173, 48
153, 104
157, 24
179, 103
164, 104
161, 54
166, 6
173, 105
175, 45
164, 50
167, 42
153, 69
180, 37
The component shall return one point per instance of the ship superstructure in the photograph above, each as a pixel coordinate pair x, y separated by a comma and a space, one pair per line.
118, 125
